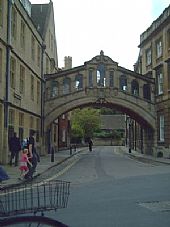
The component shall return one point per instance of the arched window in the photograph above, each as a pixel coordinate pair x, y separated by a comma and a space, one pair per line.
134, 87
101, 79
66, 86
123, 83
79, 82
54, 89
146, 91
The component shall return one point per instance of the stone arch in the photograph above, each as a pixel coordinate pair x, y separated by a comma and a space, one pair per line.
140, 113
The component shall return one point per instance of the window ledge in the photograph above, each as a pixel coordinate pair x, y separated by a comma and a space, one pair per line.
161, 141
159, 95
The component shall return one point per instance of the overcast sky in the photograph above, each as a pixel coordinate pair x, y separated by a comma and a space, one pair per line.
84, 27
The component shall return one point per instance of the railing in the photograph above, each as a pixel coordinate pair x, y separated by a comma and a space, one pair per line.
39, 197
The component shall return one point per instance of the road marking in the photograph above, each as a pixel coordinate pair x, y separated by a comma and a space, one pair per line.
155, 206
62, 171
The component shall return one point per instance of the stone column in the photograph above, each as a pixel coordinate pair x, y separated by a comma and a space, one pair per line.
128, 89
116, 79
148, 141
60, 87
152, 90
155, 138
144, 141
94, 75
141, 91
107, 79
72, 84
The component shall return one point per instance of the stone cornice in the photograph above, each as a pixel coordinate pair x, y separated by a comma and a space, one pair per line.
155, 26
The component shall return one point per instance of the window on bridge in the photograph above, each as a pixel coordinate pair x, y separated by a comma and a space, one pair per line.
79, 82
54, 89
90, 78
123, 83
66, 86
146, 92
101, 78
111, 79
135, 88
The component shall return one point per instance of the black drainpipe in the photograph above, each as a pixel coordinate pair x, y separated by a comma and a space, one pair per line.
8, 53
42, 90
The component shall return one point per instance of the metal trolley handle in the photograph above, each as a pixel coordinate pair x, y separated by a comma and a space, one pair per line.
33, 198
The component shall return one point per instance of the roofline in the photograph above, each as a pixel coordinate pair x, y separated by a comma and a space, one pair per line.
154, 27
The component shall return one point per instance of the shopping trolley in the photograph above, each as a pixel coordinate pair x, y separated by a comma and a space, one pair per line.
35, 199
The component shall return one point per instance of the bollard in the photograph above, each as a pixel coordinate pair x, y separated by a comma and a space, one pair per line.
74, 147
52, 154
129, 150
70, 150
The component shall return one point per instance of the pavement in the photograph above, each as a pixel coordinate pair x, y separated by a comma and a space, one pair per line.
139, 156
45, 164
63, 155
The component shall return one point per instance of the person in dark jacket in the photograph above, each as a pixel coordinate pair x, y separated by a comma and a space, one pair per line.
14, 147
90, 144
33, 156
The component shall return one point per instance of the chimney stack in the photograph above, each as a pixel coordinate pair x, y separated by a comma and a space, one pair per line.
67, 62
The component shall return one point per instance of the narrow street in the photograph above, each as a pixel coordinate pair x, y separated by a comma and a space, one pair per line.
110, 189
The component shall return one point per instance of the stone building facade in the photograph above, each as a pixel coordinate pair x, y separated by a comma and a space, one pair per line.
28, 54
154, 61
28, 50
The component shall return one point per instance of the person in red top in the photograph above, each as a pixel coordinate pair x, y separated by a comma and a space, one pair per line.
33, 156
24, 161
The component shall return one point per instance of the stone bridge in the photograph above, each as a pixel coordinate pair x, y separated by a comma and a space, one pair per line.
101, 82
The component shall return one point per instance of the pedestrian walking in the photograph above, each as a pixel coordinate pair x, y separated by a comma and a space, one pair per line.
32, 155
14, 147
24, 162
90, 144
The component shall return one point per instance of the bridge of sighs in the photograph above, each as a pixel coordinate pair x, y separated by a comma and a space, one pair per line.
102, 82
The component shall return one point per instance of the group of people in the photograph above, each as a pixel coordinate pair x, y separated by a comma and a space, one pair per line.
27, 152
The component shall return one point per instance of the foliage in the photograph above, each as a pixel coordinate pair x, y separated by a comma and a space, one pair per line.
107, 111
84, 122
76, 130
115, 134
102, 134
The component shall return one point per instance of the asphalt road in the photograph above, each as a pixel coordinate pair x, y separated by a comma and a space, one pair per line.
110, 189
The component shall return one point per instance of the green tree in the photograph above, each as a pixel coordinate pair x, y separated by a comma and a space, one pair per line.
108, 111
84, 122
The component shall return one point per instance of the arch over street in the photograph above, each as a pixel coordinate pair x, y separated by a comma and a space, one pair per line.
101, 82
